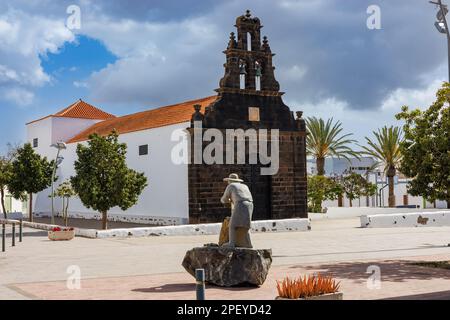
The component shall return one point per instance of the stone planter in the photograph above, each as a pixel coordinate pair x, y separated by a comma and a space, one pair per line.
328, 296
61, 235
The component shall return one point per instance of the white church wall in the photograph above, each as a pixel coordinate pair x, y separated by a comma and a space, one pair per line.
42, 130
163, 202
63, 128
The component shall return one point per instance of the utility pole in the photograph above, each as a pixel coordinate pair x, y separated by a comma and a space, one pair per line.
442, 26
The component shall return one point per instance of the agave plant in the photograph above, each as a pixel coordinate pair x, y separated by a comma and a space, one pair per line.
326, 140
307, 286
386, 149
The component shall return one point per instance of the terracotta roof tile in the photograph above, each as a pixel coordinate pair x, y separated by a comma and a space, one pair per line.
82, 110
154, 118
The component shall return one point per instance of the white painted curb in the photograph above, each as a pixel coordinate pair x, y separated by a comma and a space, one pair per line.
284, 225
404, 220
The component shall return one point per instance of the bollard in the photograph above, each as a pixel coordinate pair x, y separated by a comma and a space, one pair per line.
200, 283
20, 230
13, 236
3, 237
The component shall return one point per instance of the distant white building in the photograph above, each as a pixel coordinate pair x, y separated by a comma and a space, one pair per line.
337, 166
365, 167
148, 137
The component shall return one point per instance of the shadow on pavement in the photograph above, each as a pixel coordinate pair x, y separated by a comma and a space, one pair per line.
182, 287
175, 287
394, 271
442, 295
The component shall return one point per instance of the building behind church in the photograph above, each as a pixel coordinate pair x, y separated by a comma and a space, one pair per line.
248, 97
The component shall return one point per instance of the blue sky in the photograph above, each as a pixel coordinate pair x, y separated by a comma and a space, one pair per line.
130, 56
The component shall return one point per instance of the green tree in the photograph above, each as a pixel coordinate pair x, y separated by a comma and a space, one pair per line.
354, 186
426, 148
6, 173
31, 173
102, 179
5, 177
321, 188
386, 150
326, 140
65, 192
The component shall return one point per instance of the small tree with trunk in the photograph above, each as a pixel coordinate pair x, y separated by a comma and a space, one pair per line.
6, 173
5, 176
426, 148
31, 173
102, 179
355, 186
321, 188
65, 192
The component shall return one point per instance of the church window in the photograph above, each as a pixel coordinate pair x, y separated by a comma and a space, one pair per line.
143, 150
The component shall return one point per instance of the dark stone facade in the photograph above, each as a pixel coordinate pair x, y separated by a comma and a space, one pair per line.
278, 196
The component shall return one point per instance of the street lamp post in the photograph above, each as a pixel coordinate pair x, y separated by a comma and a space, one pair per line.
442, 26
59, 146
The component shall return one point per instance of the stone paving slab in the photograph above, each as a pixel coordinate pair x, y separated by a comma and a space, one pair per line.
399, 279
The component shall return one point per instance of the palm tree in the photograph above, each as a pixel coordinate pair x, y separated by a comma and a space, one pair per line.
326, 140
386, 149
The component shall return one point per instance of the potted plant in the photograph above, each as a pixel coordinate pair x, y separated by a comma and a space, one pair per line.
59, 233
312, 287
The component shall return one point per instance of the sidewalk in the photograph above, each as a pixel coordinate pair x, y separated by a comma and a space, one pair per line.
136, 267
398, 279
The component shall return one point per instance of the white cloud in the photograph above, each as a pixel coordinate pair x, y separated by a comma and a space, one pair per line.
80, 84
414, 98
24, 38
293, 73
18, 96
156, 60
362, 122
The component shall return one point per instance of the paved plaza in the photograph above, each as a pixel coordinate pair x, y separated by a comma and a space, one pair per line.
150, 268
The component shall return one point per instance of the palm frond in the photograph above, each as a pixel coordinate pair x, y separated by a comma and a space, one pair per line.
385, 147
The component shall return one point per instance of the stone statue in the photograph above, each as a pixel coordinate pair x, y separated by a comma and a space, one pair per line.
240, 197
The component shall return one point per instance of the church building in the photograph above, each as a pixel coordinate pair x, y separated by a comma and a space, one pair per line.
248, 97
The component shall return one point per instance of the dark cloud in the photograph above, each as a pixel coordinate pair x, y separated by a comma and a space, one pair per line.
328, 41
171, 50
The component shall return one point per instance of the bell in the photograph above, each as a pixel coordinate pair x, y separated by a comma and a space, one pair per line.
258, 72
242, 69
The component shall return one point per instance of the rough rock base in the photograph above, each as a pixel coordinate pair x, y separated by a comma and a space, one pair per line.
229, 267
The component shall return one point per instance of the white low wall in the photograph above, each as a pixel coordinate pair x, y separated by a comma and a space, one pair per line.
353, 212
416, 219
284, 225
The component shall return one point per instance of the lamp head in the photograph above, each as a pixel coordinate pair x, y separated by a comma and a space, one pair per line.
59, 145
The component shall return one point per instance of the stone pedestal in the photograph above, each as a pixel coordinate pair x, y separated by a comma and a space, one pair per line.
228, 267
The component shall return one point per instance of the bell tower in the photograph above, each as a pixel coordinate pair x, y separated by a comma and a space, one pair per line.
249, 97
247, 58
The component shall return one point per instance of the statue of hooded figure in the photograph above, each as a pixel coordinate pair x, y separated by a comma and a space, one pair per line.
240, 197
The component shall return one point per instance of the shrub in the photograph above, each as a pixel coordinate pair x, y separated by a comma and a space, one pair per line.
307, 286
